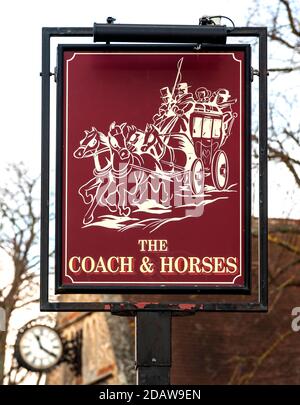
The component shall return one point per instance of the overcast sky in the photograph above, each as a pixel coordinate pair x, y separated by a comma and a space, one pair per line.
20, 29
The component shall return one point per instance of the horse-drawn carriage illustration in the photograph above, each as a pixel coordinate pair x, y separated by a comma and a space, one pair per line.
210, 127
184, 141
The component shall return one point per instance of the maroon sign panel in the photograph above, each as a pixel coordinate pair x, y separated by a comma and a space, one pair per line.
153, 170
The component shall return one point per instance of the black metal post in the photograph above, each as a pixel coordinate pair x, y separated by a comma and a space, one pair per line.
263, 165
153, 347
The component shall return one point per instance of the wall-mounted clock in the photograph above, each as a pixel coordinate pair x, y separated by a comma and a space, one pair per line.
38, 348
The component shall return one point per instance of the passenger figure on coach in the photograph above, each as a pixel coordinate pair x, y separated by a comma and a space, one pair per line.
184, 106
165, 114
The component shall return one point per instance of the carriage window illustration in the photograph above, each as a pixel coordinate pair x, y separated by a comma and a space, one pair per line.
197, 127
207, 127
217, 125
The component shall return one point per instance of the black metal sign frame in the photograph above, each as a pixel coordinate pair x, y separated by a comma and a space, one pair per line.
189, 36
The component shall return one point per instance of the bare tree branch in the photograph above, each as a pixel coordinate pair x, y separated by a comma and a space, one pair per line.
292, 19
282, 41
284, 69
285, 244
19, 222
253, 363
24, 304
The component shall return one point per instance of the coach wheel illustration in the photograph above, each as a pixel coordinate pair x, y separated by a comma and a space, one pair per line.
220, 170
197, 176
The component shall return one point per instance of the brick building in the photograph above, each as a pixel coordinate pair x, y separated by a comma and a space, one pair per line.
106, 347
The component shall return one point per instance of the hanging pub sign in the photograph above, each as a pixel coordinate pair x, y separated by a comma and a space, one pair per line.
153, 169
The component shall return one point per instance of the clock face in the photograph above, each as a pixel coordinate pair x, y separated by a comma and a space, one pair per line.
39, 348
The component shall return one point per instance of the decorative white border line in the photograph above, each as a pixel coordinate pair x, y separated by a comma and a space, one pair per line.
99, 283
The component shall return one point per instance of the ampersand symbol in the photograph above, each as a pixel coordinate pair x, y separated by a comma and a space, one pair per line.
146, 266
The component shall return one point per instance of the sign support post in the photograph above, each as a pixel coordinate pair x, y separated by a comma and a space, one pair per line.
153, 347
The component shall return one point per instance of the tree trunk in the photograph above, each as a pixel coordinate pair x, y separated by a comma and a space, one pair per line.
3, 336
